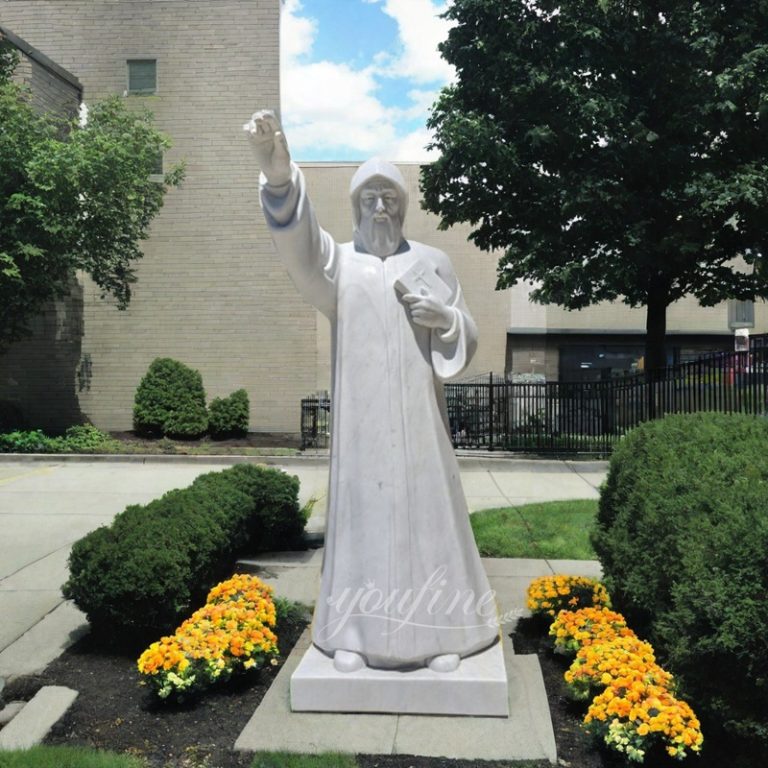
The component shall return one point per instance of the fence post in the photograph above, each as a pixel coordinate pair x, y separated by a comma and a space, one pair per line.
490, 411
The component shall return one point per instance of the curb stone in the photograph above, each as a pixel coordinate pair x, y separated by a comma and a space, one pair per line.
9, 711
32, 724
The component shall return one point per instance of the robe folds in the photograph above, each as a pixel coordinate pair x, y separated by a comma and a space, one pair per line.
401, 580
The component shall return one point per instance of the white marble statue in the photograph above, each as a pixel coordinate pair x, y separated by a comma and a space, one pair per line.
402, 584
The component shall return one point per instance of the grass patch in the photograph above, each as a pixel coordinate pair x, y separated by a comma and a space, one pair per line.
556, 530
67, 757
291, 760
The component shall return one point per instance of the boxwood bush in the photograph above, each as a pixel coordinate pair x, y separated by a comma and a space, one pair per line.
170, 400
229, 416
682, 535
140, 575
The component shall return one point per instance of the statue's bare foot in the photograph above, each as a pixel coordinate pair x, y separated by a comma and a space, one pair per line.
348, 661
447, 662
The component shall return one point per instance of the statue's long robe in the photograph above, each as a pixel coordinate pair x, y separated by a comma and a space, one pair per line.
397, 517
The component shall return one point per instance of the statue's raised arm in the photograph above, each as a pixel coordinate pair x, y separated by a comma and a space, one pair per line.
270, 147
306, 250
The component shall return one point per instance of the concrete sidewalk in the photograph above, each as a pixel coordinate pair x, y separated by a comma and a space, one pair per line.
47, 503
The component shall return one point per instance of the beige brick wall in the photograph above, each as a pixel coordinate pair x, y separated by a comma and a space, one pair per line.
210, 289
683, 316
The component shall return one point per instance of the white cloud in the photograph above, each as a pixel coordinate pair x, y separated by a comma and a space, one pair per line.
420, 29
412, 147
332, 108
297, 33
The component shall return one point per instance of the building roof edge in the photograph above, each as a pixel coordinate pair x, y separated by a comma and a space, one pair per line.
40, 58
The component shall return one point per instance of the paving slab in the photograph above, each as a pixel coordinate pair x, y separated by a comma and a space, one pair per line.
589, 568
26, 539
20, 610
46, 573
526, 734
540, 486
274, 727
32, 724
515, 566
45, 641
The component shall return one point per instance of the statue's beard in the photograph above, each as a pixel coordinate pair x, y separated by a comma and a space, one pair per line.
381, 237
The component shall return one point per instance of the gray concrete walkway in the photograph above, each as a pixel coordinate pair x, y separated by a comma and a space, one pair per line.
48, 503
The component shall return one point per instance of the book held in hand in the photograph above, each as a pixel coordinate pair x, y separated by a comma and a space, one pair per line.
422, 280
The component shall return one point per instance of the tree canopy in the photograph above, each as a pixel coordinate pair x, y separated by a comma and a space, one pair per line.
609, 149
71, 198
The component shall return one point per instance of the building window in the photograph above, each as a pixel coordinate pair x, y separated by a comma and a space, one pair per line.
142, 76
741, 314
157, 167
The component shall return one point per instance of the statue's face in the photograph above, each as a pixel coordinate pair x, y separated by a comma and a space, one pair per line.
380, 217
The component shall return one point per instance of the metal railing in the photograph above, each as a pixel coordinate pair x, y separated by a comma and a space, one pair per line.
491, 413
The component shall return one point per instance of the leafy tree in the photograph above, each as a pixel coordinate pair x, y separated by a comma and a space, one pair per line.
71, 198
609, 149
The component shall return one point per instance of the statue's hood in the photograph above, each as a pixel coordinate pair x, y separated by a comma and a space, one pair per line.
372, 169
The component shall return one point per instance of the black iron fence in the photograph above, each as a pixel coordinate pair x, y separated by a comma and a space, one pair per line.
583, 417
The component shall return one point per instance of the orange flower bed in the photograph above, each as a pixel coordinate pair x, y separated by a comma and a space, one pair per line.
572, 630
623, 658
634, 700
230, 633
548, 595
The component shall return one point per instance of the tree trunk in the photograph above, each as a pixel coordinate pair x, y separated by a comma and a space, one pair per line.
656, 326
655, 346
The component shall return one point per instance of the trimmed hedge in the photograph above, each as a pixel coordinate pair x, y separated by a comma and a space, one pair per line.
229, 416
682, 535
170, 400
144, 572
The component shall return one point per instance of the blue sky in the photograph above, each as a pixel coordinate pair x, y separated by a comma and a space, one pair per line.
358, 77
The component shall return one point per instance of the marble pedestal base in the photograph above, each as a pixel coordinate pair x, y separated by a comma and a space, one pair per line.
477, 688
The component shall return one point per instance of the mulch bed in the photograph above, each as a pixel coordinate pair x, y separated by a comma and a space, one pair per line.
114, 712
251, 440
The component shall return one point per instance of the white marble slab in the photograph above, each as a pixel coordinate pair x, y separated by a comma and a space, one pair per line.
477, 688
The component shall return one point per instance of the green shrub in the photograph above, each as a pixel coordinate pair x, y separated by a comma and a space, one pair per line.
78, 439
33, 441
85, 438
229, 416
278, 522
139, 576
170, 400
682, 535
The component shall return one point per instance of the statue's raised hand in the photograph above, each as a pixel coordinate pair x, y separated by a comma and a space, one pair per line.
268, 141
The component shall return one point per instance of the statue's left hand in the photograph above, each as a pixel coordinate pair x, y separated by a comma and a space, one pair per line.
429, 311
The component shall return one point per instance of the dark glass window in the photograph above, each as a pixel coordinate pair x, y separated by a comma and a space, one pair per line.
142, 76
157, 168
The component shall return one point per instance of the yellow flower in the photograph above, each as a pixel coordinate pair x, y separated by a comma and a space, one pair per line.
231, 631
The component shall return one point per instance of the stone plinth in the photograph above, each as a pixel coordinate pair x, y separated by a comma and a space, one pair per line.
477, 688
